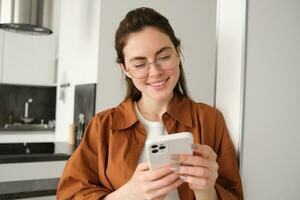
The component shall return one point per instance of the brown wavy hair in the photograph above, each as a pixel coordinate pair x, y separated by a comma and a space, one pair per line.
135, 21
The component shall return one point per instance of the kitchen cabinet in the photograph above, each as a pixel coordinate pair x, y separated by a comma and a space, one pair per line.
28, 59
31, 170
30, 179
36, 168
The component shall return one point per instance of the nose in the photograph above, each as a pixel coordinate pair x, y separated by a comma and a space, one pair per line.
155, 69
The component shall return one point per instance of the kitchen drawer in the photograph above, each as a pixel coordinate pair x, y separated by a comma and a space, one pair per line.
31, 170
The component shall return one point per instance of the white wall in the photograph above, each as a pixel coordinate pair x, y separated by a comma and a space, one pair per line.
1, 54
194, 22
229, 84
270, 155
78, 56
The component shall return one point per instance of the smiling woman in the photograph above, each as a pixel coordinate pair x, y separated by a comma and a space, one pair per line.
156, 104
158, 79
166, 59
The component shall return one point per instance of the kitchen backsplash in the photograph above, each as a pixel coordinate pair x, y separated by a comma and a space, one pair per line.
13, 98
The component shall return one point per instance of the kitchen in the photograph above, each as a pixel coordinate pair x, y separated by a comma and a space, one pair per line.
36, 90
68, 60
48, 78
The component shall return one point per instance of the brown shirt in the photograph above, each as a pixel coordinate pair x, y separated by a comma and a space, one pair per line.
114, 139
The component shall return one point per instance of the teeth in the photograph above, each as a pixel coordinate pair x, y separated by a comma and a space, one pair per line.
158, 83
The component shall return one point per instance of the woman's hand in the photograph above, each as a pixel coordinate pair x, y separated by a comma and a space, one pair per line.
155, 184
199, 170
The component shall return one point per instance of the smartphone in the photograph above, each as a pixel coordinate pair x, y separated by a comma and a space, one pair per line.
159, 149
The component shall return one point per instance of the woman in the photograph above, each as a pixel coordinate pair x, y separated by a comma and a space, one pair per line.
110, 162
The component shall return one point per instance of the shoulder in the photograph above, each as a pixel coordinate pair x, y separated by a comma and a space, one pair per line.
212, 124
203, 108
207, 115
100, 121
119, 117
104, 119
186, 109
109, 113
105, 114
99, 127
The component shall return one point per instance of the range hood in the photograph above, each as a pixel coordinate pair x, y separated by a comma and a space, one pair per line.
26, 16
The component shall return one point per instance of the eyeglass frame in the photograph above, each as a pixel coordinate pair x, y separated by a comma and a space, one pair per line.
156, 62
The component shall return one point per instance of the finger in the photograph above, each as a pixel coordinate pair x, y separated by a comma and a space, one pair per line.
192, 171
165, 190
191, 160
163, 182
196, 183
143, 166
158, 173
205, 151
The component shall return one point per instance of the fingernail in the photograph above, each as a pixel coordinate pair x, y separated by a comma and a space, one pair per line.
175, 168
194, 146
174, 157
184, 178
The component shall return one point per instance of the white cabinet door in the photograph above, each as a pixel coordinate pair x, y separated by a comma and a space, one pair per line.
31, 170
28, 59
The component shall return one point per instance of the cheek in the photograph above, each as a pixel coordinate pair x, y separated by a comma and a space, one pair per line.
138, 83
175, 74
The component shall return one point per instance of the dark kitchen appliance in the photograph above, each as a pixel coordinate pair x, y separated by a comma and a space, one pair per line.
85, 96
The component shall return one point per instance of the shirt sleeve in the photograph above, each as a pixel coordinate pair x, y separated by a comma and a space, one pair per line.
228, 184
84, 174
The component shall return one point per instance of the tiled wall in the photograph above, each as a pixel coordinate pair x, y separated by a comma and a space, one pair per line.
13, 98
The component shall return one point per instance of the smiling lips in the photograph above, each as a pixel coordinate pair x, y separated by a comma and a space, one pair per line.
159, 84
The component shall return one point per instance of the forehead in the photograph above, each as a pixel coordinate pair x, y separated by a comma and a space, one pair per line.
146, 42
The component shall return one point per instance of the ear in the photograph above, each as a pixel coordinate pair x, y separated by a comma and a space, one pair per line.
178, 50
122, 66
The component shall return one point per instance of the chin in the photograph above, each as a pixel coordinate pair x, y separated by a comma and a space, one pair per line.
162, 96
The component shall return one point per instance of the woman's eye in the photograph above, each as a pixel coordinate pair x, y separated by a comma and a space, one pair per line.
162, 58
141, 65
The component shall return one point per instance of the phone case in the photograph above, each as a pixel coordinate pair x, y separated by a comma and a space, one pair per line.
159, 149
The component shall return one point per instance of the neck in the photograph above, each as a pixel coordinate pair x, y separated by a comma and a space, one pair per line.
151, 109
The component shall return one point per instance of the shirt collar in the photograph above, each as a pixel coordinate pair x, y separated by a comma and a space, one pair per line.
125, 116
180, 109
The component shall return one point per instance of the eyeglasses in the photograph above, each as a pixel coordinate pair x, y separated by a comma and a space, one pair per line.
166, 60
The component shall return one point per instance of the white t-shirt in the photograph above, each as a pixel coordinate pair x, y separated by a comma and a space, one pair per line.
153, 129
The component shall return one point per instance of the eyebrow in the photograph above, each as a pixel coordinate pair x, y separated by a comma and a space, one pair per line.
144, 58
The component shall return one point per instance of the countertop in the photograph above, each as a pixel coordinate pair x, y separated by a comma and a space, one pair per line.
38, 187
61, 151
26, 127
